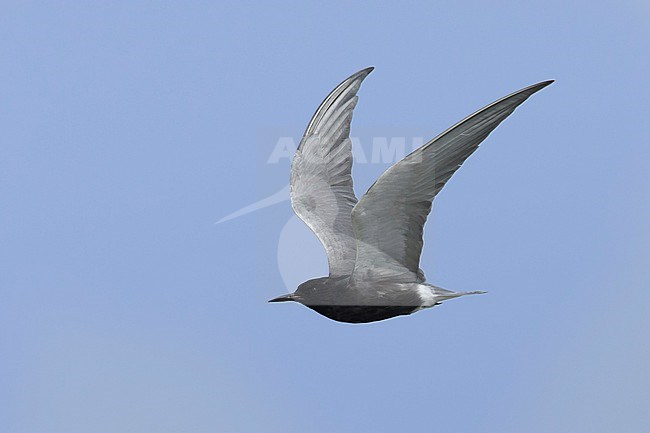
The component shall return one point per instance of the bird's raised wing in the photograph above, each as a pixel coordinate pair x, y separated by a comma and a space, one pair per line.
389, 218
321, 175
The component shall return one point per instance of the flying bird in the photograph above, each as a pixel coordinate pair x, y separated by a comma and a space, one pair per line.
374, 244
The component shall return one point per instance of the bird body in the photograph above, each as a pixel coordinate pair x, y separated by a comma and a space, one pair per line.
342, 300
374, 244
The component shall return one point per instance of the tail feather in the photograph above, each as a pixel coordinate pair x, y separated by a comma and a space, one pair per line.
444, 294
475, 292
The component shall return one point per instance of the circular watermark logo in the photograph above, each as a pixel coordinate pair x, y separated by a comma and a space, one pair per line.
300, 255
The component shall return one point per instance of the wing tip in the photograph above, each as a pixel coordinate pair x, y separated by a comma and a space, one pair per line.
539, 86
363, 73
526, 92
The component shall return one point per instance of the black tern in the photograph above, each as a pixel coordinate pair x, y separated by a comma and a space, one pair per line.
374, 244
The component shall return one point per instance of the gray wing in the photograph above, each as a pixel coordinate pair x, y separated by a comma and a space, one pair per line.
389, 219
321, 175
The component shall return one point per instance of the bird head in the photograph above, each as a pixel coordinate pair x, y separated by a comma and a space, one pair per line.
309, 291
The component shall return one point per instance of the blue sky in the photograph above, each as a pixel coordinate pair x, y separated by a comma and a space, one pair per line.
129, 128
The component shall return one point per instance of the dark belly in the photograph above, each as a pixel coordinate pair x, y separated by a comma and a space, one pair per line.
361, 314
